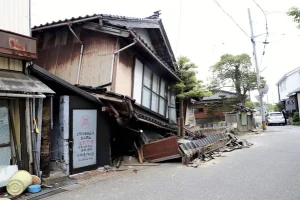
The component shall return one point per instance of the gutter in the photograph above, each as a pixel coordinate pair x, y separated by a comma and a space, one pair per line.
81, 54
153, 55
22, 95
65, 23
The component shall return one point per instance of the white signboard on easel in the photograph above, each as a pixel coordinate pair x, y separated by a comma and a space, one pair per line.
84, 138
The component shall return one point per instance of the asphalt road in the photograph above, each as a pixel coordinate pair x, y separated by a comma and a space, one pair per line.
268, 170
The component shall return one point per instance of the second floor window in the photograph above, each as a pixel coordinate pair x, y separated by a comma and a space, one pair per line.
154, 92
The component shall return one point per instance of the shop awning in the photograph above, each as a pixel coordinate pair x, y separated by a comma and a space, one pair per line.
16, 82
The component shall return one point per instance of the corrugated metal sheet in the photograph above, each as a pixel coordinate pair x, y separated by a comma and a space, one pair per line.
18, 82
10, 64
14, 15
124, 73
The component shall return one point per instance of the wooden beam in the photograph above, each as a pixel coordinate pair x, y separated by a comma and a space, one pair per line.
105, 29
134, 23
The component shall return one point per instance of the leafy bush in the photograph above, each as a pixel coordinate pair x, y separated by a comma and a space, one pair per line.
296, 117
296, 123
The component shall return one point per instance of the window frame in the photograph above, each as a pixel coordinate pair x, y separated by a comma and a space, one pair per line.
198, 110
152, 92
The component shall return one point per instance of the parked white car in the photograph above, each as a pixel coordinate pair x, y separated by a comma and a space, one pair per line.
275, 118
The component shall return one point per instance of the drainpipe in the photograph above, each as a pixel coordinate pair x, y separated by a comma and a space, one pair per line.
81, 54
114, 56
29, 18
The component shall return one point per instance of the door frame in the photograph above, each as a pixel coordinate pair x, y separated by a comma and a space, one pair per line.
71, 143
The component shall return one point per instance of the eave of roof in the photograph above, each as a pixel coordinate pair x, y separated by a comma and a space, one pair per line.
43, 73
288, 74
87, 18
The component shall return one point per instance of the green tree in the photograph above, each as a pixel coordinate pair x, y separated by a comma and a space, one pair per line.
234, 71
226, 105
189, 85
250, 104
295, 13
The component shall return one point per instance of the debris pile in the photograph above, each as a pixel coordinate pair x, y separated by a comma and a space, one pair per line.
233, 143
199, 145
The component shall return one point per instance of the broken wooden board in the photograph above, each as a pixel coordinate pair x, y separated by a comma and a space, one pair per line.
161, 150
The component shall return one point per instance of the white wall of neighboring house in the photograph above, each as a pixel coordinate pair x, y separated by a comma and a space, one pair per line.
289, 84
14, 17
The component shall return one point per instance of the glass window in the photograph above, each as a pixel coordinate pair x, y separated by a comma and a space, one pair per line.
154, 103
147, 77
172, 99
198, 110
162, 106
162, 88
155, 84
155, 95
146, 97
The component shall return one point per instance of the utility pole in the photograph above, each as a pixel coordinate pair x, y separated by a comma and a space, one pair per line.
257, 74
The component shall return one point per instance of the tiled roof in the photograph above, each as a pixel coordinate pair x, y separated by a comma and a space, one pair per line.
217, 95
104, 16
122, 106
154, 18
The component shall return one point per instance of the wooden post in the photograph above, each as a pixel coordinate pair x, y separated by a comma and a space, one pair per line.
28, 134
46, 138
39, 136
181, 118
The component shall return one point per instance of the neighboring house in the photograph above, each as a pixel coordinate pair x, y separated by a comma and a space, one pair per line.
21, 95
289, 91
201, 107
126, 64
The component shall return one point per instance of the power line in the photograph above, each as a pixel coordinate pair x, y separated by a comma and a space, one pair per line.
284, 34
267, 32
231, 18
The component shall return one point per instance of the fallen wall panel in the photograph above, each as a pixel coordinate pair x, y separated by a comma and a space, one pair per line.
161, 150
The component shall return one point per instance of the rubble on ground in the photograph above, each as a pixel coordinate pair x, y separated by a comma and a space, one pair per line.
232, 144
197, 146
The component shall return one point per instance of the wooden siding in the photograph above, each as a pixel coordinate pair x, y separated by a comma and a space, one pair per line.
10, 64
124, 73
62, 59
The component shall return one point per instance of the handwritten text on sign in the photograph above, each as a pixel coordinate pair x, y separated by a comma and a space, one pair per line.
84, 136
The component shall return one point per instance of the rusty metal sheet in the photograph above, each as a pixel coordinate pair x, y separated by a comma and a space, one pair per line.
17, 46
161, 150
195, 148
